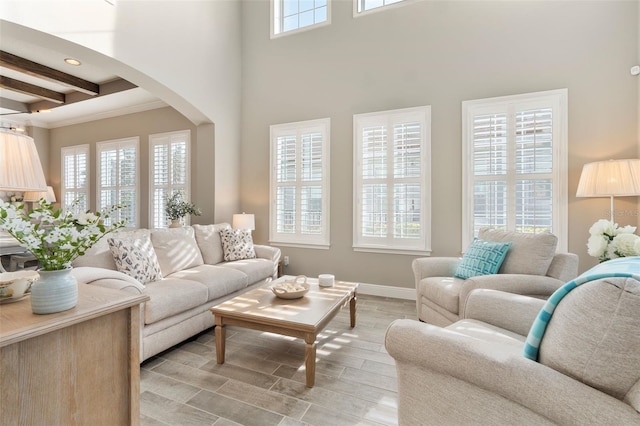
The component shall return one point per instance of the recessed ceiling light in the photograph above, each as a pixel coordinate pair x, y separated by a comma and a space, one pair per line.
72, 61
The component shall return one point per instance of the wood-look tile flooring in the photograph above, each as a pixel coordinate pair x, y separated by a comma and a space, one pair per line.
262, 381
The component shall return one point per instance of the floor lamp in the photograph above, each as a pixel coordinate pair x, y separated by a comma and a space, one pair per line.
612, 178
20, 167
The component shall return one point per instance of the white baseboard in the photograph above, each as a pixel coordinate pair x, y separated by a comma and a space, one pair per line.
387, 291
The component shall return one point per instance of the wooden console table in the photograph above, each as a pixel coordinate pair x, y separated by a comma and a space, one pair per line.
81, 366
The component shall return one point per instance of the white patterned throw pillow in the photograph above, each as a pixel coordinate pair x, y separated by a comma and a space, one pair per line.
237, 244
136, 258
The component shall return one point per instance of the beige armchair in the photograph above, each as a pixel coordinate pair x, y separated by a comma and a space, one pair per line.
473, 372
531, 267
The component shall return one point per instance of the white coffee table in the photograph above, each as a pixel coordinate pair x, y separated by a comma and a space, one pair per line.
260, 309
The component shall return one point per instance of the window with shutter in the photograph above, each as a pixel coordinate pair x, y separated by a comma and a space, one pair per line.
169, 165
294, 15
392, 181
75, 178
299, 207
117, 178
515, 164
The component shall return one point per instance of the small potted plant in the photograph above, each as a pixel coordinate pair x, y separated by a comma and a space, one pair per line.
176, 209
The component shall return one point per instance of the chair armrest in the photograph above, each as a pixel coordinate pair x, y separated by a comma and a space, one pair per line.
492, 369
107, 278
538, 286
434, 267
509, 311
564, 267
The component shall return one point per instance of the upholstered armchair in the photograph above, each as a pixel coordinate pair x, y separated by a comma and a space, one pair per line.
531, 267
474, 372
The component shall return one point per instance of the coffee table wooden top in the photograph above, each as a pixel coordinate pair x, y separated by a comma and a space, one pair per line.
309, 313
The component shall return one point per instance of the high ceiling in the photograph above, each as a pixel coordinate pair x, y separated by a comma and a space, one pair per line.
37, 87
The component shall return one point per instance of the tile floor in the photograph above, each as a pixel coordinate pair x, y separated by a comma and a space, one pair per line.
262, 379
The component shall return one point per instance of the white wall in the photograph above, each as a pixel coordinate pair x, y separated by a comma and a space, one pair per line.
438, 54
186, 53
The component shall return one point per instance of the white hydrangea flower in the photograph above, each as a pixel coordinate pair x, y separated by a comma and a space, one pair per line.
624, 244
602, 227
597, 245
626, 230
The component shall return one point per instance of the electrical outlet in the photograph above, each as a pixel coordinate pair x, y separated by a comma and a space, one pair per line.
286, 261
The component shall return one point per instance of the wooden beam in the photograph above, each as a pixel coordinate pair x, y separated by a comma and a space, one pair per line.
26, 66
106, 89
31, 89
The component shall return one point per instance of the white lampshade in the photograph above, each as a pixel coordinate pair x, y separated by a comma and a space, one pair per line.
244, 221
613, 178
48, 195
20, 167
618, 178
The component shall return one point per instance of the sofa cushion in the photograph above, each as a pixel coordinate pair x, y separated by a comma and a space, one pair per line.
171, 296
99, 255
529, 254
136, 258
593, 335
255, 269
208, 239
217, 280
237, 244
482, 258
443, 291
176, 249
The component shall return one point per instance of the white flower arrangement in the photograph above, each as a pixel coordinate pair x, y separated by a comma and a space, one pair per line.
56, 238
609, 241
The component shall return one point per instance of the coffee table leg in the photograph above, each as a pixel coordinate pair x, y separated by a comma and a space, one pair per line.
352, 310
220, 332
310, 359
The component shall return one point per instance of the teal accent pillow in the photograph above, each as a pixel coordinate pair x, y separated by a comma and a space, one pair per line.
482, 258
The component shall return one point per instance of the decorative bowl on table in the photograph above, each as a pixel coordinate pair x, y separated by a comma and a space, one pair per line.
291, 289
16, 285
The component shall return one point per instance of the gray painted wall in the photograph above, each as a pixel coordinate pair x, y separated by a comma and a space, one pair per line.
438, 54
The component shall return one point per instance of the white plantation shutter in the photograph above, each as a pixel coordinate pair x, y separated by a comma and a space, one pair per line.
299, 213
169, 165
392, 181
117, 177
75, 178
514, 165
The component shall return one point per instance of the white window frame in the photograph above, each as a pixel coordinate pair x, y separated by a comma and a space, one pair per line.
420, 246
555, 99
297, 239
168, 139
358, 7
118, 144
276, 20
75, 151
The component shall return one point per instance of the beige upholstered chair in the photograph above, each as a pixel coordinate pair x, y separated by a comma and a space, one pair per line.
473, 372
531, 267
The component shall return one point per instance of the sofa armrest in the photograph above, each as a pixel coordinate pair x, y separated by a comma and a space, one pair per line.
509, 311
107, 278
271, 253
267, 252
538, 286
564, 267
434, 267
435, 364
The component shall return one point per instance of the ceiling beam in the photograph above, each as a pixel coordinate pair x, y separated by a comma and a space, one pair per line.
31, 89
26, 66
109, 88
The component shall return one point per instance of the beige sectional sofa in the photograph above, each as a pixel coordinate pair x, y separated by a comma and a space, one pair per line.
195, 277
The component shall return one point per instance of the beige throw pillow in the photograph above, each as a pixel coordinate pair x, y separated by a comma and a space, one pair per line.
208, 239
